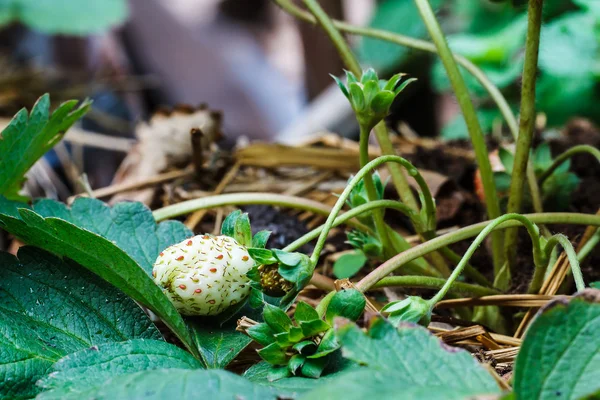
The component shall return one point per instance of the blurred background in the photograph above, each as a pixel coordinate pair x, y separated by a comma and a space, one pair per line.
268, 75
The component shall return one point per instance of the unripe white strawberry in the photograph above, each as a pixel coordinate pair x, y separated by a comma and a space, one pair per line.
204, 275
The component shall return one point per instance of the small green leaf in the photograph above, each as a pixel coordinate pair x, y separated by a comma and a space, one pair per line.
260, 239
296, 334
391, 84
502, 181
243, 231
273, 354
560, 354
357, 97
312, 328
261, 334
412, 309
299, 273
277, 319
262, 256
542, 157
348, 303
507, 158
305, 312
349, 264
228, 225
381, 103
287, 258
403, 86
28, 137
350, 77
371, 88
283, 339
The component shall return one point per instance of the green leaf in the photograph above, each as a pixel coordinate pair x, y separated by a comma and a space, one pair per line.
261, 334
348, 303
560, 355
296, 362
294, 267
175, 383
129, 225
328, 345
381, 103
100, 256
50, 308
276, 318
28, 137
260, 239
262, 256
393, 82
507, 158
369, 75
412, 309
408, 360
64, 16
542, 157
371, 88
305, 312
273, 354
313, 367
228, 225
349, 264
341, 85
89, 368
595, 285
502, 181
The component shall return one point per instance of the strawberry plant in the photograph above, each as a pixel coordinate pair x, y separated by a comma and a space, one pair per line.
118, 301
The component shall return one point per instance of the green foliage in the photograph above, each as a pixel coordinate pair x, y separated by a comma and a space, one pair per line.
29, 136
348, 303
64, 16
370, 97
349, 264
412, 309
237, 226
100, 254
89, 368
50, 308
407, 361
560, 355
298, 347
556, 189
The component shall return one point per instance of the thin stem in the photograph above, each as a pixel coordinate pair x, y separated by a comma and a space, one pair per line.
429, 47
589, 246
221, 200
582, 148
526, 124
428, 200
468, 110
571, 256
531, 228
426, 282
467, 232
381, 133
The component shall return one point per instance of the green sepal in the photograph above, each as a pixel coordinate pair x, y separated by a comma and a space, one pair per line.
403, 85
283, 339
296, 363
277, 373
350, 77
381, 103
261, 334
328, 345
296, 334
348, 303
273, 354
313, 367
306, 347
368, 76
294, 267
262, 256
341, 85
243, 231
228, 225
393, 82
357, 97
314, 327
304, 312
261, 238
412, 309
370, 90
276, 318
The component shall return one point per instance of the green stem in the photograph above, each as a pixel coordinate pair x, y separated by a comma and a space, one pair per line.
531, 228
468, 110
467, 232
427, 282
222, 200
380, 225
571, 256
381, 133
589, 246
526, 125
424, 45
582, 148
428, 200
